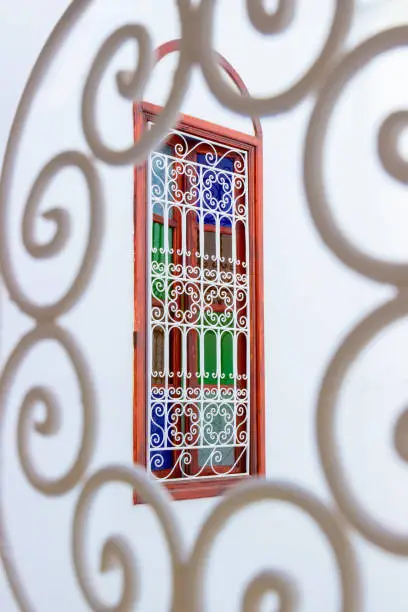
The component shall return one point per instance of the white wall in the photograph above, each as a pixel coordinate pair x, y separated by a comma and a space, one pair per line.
311, 301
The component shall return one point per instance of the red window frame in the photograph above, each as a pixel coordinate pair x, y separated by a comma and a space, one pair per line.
195, 488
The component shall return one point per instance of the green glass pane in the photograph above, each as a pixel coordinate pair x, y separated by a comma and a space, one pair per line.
160, 257
156, 244
161, 234
170, 239
227, 361
210, 349
157, 257
210, 357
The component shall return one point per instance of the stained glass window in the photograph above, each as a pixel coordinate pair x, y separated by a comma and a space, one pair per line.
199, 307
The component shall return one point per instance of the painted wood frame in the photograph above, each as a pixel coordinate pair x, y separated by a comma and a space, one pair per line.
252, 144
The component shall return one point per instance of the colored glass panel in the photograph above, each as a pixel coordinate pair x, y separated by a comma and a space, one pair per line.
159, 256
216, 194
159, 186
159, 459
210, 353
227, 359
218, 424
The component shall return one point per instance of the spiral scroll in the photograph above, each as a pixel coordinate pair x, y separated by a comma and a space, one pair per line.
329, 74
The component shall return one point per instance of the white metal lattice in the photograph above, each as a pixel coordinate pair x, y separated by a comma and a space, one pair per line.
198, 419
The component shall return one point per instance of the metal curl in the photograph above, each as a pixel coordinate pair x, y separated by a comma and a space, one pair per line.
130, 86
116, 551
48, 427
267, 582
388, 152
372, 267
67, 159
281, 103
271, 23
343, 360
51, 424
260, 491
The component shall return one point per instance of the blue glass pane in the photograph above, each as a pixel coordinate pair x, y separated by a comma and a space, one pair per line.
158, 179
158, 209
217, 187
159, 459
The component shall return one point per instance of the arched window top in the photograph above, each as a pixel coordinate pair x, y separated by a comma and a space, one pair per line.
173, 46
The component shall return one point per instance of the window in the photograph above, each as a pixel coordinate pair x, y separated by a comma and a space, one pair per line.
198, 341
